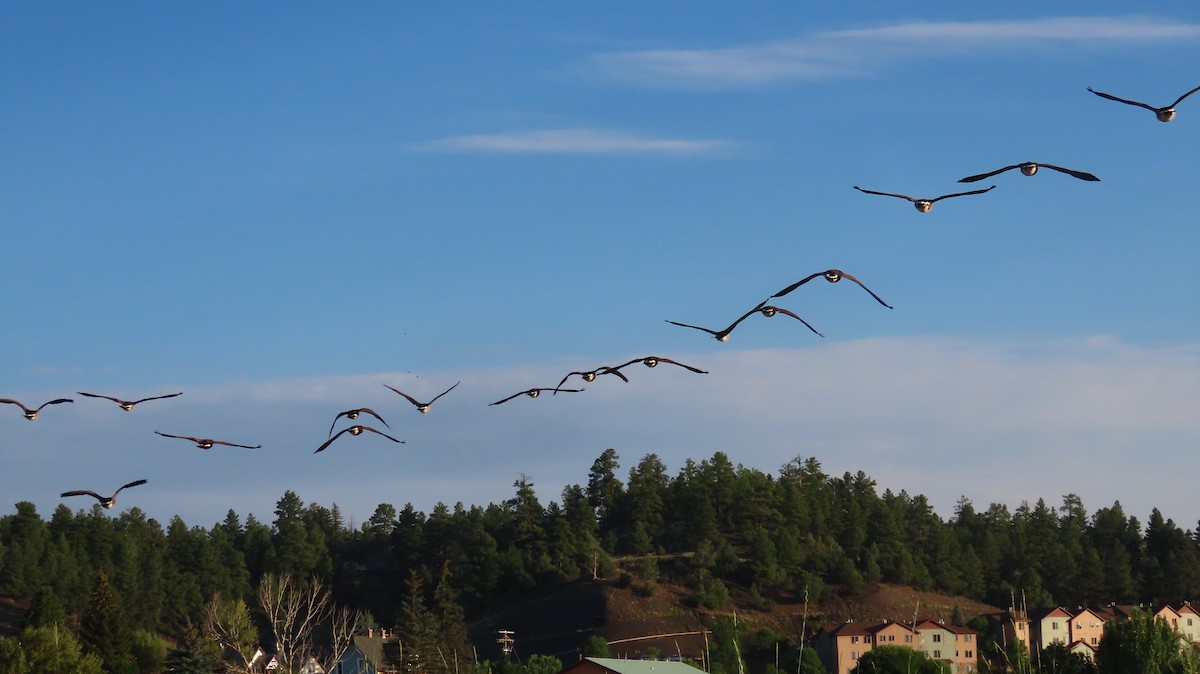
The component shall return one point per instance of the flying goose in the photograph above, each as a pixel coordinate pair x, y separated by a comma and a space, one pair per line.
353, 414
1029, 168
653, 361
590, 375
1164, 114
128, 405
207, 443
33, 414
833, 276
762, 308
535, 392
354, 430
924, 205
106, 502
423, 407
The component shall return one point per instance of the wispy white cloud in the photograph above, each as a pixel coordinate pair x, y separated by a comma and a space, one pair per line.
573, 141
940, 416
850, 52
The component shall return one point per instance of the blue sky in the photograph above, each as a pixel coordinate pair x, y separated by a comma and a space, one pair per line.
278, 209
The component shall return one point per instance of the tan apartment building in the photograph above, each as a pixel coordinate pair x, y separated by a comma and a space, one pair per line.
841, 647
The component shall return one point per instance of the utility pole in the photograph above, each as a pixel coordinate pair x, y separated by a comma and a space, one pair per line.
506, 641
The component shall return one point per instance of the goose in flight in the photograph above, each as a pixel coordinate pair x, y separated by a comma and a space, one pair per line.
762, 308
354, 430
589, 376
833, 276
128, 405
207, 443
924, 205
33, 414
106, 502
1029, 168
1164, 114
535, 392
653, 361
353, 414
423, 407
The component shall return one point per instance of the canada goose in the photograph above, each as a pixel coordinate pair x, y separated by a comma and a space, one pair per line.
353, 414
128, 405
207, 443
106, 502
924, 205
590, 375
762, 308
354, 430
535, 392
1164, 114
33, 414
423, 407
833, 276
1029, 168
653, 361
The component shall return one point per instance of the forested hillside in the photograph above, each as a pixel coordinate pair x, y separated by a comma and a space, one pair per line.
725, 532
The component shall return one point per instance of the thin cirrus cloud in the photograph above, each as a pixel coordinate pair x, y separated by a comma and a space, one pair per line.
574, 141
855, 52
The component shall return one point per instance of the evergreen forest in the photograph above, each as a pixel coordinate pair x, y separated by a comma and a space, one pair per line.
731, 534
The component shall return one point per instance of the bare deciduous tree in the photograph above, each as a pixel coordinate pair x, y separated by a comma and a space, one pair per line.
294, 610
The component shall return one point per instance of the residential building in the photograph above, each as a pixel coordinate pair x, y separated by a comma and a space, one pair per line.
1049, 626
1087, 626
840, 648
953, 644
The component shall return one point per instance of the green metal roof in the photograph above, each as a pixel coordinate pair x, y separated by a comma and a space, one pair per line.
621, 666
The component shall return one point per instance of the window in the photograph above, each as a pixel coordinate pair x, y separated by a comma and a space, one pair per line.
967, 637
1095, 641
1174, 622
937, 655
854, 640
970, 654
1189, 622
1054, 624
908, 638
1078, 626
854, 655
937, 638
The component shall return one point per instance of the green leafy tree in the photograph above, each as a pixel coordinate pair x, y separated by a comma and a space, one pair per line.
1140, 644
543, 664
898, 660
594, 647
47, 650
149, 652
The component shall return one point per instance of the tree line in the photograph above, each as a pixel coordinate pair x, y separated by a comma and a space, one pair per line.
726, 531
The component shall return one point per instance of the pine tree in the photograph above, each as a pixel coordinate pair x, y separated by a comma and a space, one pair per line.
102, 628
415, 627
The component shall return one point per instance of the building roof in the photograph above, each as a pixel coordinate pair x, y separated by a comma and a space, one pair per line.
620, 666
